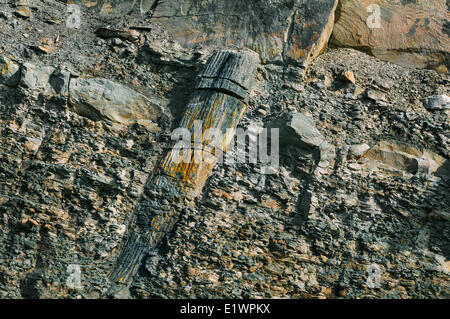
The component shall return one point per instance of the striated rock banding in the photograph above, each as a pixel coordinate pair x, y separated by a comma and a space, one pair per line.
410, 33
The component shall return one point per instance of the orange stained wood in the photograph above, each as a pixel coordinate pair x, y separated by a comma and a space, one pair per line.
210, 118
195, 173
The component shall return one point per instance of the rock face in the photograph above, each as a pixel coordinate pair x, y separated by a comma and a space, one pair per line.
409, 33
299, 136
99, 99
130, 35
282, 30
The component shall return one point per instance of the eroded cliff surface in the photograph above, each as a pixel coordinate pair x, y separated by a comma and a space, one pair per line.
86, 113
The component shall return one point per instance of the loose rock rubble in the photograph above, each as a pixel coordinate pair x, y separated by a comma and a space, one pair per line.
363, 178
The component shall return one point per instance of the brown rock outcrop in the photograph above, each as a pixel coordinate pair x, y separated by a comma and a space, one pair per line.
289, 31
408, 33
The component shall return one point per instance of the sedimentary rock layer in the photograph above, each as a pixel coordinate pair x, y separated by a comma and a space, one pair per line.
409, 33
282, 30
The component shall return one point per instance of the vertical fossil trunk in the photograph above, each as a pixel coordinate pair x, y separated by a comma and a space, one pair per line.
217, 105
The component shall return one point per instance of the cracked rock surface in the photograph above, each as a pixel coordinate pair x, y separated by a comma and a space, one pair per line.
363, 178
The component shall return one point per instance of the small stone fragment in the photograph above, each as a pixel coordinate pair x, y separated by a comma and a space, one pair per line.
117, 41
358, 149
440, 214
100, 99
327, 154
5, 15
348, 76
297, 129
9, 72
32, 144
354, 167
376, 95
437, 102
35, 77
32, 221
123, 34
44, 48
262, 112
407, 157
22, 13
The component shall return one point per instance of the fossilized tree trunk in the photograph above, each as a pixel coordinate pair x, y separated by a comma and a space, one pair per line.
218, 104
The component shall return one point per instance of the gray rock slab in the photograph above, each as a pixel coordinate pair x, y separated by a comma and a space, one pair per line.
100, 99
